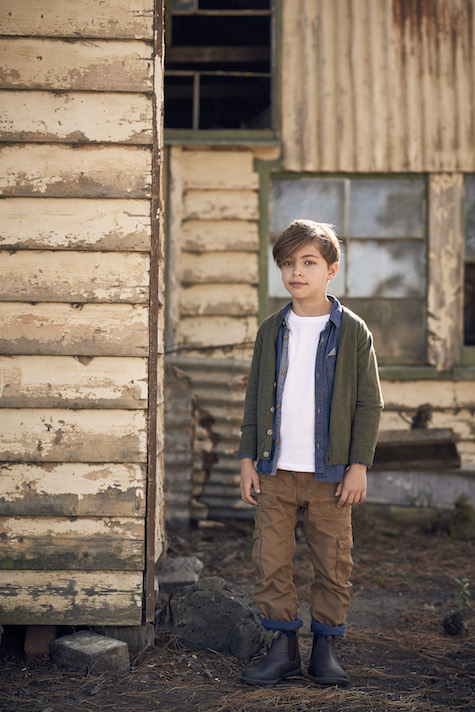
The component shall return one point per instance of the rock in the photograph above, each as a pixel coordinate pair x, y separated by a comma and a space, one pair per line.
86, 649
180, 571
214, 613
454, 623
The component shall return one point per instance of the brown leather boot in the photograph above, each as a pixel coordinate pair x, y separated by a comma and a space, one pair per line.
282, 660
324, 667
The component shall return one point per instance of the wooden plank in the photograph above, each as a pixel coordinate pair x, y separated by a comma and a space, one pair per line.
123, 19
417, 436
219, 300
228, 170
64, 329
61, 435
74, 223
219, 267
32, 63
215, 235
221, 205
445, 267
216, 332
47, 276
98, 543
67, 382
75, 117
72, 489
67, 172
71, 597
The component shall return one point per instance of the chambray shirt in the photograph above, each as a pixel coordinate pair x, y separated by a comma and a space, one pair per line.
324, 377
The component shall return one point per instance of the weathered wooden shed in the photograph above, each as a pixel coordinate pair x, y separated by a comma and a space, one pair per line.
81, 310
359, 113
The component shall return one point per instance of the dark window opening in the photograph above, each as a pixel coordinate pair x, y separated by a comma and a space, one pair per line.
469, 304
218, 64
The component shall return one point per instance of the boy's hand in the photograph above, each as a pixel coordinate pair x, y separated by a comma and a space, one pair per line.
352, 488
249, 479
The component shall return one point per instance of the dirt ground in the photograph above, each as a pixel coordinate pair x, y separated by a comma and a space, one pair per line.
396, 651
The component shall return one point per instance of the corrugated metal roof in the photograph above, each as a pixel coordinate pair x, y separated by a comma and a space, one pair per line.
378, 85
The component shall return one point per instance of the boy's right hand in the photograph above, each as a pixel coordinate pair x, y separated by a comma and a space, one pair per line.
249, 480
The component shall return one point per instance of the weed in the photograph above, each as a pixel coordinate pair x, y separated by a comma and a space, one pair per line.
462, 594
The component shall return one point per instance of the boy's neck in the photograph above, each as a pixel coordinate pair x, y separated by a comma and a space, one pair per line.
303, 308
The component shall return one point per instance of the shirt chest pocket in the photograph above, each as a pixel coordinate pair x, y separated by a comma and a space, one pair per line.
331, 364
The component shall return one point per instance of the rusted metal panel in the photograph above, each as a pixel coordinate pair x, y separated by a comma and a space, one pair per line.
35, 276
123, 19
88, 597
396, 96
72, 489
58, 65
81, 382
446, 260
61, 435
219, 267
65, 172
81, 117
73, 330
75, 224
98, 543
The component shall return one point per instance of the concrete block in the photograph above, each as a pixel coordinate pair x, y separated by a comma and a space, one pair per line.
177, 572
136, 636
38, 639
86, 649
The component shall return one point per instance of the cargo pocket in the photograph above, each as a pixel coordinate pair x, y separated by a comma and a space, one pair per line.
344, 562
256, 548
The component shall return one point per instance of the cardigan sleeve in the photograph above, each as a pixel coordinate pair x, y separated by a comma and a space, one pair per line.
248, 444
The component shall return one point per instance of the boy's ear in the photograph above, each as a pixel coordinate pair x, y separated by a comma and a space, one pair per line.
333, 270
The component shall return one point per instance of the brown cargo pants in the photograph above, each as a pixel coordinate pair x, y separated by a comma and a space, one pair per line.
283, 498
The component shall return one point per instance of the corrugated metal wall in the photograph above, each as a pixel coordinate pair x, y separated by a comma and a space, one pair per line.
80, 319
378, 85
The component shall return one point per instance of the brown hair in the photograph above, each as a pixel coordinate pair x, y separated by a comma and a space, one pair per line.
301, 232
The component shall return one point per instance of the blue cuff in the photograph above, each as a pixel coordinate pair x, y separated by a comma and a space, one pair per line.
322, 629
243, 457
270, 624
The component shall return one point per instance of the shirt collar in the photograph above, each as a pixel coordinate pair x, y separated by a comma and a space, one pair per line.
335, 314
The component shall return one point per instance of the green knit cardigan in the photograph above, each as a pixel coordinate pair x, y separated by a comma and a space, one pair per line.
356, 402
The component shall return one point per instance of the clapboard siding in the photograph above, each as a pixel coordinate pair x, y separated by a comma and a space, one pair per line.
220, 267
75, 224
99, 543
219, 170
213, 235
64, 381
86, 597
219, 300
75, 117
62, 435
68, 172
57, 65
32, 276
73, 330
127, 19
220, 205
205, 333
72, 489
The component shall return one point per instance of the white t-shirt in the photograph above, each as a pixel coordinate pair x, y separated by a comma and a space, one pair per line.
297, 432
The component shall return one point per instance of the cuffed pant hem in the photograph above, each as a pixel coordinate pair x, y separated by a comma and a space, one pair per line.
270, 624
322, 629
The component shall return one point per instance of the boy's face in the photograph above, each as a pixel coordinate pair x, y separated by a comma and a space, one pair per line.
306, 273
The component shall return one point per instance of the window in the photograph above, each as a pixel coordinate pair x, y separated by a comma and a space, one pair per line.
382, 225
218, 64
469, 282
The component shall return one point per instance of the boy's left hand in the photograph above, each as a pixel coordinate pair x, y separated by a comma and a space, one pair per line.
352, 488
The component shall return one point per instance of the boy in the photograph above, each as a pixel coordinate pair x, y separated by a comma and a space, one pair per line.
311, 421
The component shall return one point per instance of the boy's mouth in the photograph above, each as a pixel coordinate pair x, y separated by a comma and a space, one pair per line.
297, 284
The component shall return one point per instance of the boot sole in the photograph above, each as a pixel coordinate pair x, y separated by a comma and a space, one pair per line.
269, 683
329, 683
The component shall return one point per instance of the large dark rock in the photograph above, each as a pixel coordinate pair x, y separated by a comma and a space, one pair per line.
214, 613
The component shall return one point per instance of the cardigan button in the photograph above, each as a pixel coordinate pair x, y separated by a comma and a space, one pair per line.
265, 454
272, 409
269, 432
